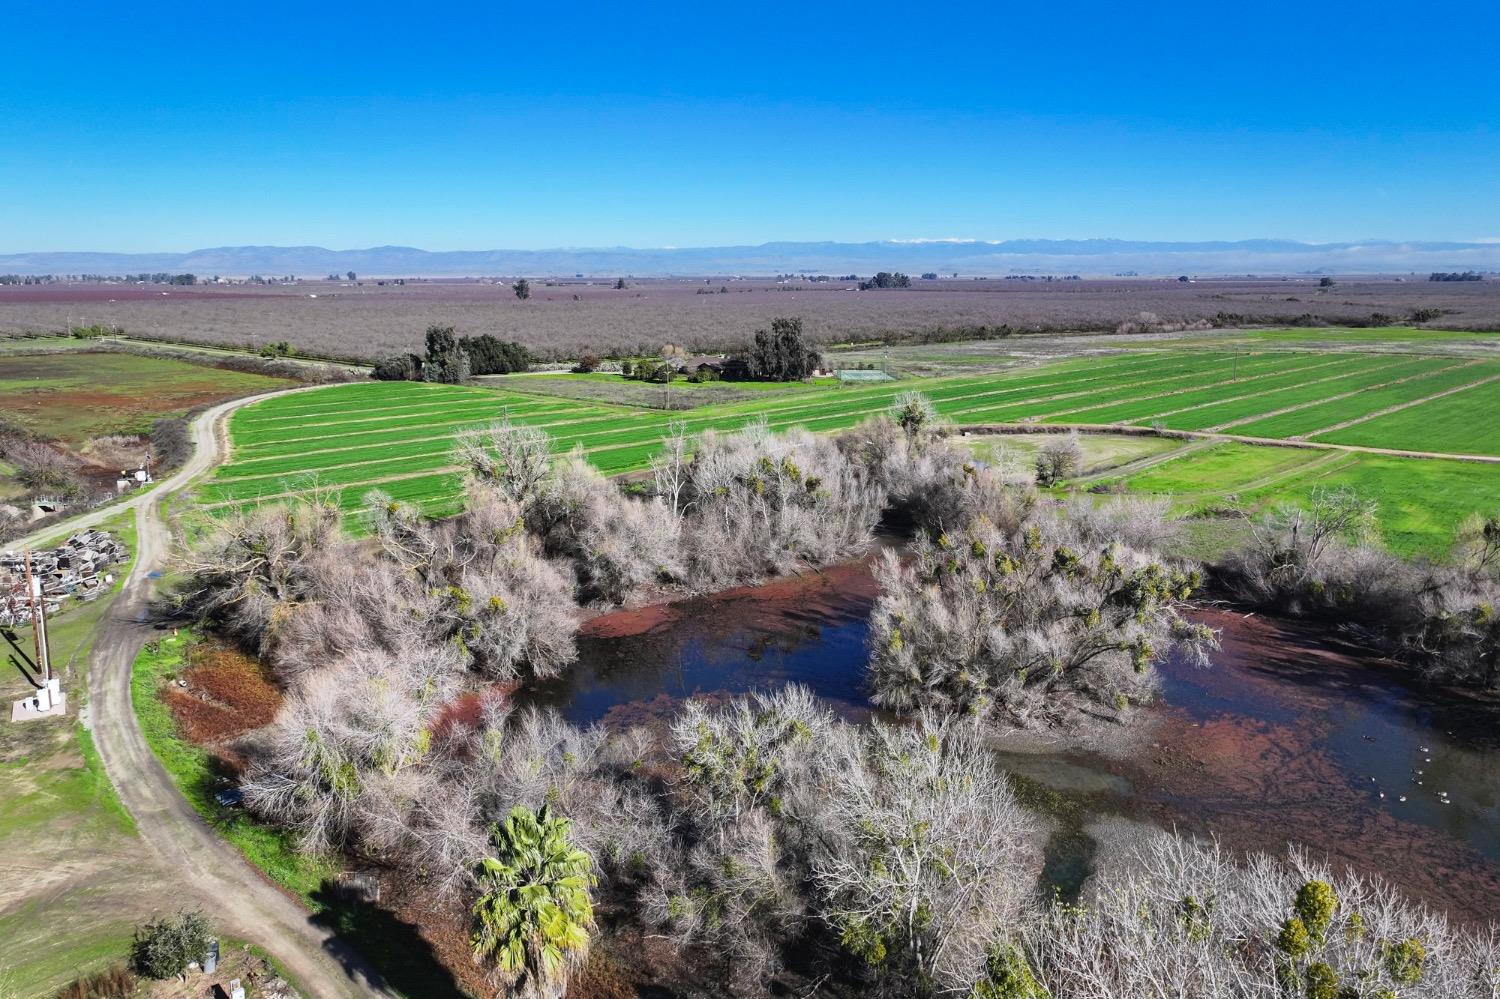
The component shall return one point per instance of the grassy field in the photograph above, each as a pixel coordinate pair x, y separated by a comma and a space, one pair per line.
194, 771
9, 487
398, 436
1101, 452
77, 395
1421, 500
1395, 338
72, 895
1461, 423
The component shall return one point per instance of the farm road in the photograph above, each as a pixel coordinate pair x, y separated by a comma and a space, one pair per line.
187, 852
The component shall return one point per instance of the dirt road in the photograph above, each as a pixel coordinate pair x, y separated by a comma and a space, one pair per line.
188, 853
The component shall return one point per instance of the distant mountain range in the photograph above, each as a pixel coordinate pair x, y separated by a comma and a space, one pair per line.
968, 258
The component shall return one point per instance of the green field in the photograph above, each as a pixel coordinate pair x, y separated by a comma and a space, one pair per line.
1421, 501
398, 436
1398, 339
1462, 423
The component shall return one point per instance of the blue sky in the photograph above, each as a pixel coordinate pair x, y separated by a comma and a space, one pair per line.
163, 127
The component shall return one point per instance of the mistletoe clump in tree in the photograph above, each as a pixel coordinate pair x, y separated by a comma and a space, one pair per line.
534, 912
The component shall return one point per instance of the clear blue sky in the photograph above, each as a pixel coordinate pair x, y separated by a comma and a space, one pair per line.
142, 127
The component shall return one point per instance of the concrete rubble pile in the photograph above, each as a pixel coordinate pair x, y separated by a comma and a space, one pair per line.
78, 568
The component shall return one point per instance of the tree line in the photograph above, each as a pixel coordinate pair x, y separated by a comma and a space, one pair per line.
454, 359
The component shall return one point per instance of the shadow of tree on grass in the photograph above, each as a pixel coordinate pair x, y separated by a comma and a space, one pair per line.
392, 946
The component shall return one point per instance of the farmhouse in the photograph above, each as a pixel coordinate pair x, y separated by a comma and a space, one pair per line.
700, 362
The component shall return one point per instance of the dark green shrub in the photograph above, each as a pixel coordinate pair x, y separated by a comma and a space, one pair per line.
163, 948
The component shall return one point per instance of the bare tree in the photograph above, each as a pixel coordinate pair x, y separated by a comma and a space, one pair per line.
617, 546
512, 456
488, 587
44, 470
1477, 546
1169, 916
1060, 458
930, 855
670, 467
764, 504
253, 566
915, 414
751, 792
339, 759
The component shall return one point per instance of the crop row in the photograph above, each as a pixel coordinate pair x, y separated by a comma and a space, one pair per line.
1420, 502
1237, 386
1311, 419
1160, 383
1214, 415
1461, 423
413, 449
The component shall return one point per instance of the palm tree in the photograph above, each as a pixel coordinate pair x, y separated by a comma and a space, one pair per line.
534, 913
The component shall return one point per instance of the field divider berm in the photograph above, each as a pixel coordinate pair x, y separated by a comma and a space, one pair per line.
1130, 468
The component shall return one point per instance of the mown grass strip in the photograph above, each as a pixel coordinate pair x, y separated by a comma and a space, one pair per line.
339, 448
353, 421
254, 442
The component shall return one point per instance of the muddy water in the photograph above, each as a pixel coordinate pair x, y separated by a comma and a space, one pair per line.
1293, 735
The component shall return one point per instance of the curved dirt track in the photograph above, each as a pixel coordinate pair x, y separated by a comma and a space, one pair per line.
210, 873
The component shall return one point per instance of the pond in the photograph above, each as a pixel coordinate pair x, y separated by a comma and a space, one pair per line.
1294, 734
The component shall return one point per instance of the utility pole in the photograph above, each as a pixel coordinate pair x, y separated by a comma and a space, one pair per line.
39, 632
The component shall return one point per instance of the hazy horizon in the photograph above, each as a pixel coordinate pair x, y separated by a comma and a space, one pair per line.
990, 258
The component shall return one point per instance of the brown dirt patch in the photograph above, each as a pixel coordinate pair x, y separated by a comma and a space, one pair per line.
227, 694
114, 451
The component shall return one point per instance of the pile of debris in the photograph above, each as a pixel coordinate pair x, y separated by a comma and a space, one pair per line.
77, 568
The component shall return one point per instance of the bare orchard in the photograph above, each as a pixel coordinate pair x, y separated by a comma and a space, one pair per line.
563, 318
